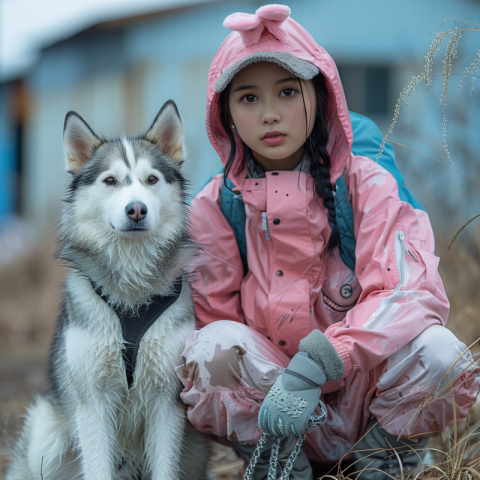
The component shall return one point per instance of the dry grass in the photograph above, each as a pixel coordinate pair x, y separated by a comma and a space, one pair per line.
29, 302
451, 37
453, 455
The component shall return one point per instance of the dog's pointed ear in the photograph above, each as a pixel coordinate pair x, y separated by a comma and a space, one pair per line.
79, 142
167, 132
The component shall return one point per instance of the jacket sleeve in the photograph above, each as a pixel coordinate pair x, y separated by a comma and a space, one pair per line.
402, 292
216, 272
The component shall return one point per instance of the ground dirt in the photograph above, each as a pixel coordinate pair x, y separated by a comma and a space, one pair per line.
29, 300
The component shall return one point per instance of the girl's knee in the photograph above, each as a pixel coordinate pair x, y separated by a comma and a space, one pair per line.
221, 334
442, 351
425, 360
213, 357
227, 330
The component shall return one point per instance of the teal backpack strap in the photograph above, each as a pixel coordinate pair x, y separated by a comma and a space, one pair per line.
233, 209
344, 216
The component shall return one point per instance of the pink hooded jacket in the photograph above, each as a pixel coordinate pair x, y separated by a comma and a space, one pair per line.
293, 285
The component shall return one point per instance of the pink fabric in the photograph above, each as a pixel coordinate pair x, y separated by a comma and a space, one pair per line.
251, 27
396, 290
229, 368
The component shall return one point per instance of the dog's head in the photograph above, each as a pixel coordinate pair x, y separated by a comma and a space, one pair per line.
127, 187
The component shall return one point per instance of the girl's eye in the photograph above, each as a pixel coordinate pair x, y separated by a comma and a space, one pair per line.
109, 181
249, 98
287, 92
152, 179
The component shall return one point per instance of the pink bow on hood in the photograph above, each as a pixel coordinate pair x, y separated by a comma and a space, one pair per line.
251, 27
272, 30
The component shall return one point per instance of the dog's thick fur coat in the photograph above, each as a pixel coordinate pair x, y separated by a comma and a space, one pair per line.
124, 229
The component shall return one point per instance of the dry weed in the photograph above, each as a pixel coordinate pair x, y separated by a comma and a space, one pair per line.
453, 36
456, 452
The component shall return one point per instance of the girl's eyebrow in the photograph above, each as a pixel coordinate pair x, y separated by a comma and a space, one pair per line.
248, 87
244, 87
285, 80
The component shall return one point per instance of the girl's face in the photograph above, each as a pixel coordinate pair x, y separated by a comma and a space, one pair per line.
268, 111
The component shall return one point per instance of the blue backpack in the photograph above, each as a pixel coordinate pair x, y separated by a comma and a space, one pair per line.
367, 139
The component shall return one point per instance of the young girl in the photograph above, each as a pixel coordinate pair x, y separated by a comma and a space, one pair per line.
372, 341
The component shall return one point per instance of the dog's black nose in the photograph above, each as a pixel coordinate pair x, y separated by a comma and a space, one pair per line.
136, 211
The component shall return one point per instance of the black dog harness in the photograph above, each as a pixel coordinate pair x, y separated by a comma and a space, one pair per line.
134, 327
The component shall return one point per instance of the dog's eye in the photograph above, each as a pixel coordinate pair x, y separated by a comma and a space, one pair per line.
152, 179
109, 181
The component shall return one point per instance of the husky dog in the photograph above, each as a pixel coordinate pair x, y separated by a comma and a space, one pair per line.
113, 410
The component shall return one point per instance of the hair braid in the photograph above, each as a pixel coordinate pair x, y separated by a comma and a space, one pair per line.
316, 148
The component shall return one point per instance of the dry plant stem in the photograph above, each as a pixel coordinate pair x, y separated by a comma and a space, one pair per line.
466, 186
466, 442
437, 41
385, 473
427, 75
458, 20
468, 71
435, 159
418, 455
338, 464
458, 233
398, 458
455, 429
404, 96
473, 472
452, 47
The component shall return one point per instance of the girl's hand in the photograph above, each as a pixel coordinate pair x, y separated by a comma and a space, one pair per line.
291, 402
287, 408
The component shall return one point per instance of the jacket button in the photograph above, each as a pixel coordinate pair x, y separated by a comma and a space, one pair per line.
279, 273
281, 343
276, 221
275, 173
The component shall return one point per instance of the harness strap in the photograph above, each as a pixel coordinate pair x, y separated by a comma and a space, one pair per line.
134, 327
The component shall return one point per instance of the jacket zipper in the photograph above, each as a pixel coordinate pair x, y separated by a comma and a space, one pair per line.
265, 226
401, 268
397, 293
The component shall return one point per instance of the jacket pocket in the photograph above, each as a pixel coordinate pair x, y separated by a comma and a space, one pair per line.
431, 268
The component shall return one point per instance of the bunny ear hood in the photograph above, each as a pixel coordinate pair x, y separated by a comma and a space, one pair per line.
269, 18
271, 35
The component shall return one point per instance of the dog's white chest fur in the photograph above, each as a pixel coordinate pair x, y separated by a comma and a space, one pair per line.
96, 367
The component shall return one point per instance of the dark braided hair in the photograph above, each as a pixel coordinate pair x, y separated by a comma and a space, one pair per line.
315, 147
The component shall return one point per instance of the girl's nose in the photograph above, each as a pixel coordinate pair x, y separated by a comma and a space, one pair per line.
270, 116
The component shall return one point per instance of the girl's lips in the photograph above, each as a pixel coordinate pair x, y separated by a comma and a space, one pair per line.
276, 139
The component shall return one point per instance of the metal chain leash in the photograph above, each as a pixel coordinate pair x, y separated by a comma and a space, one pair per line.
292, 458
314, 421
253, 461
272, 472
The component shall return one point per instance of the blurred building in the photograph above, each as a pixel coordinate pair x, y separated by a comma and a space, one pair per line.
118, 74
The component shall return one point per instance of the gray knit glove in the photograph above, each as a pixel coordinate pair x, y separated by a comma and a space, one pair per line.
291, 402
